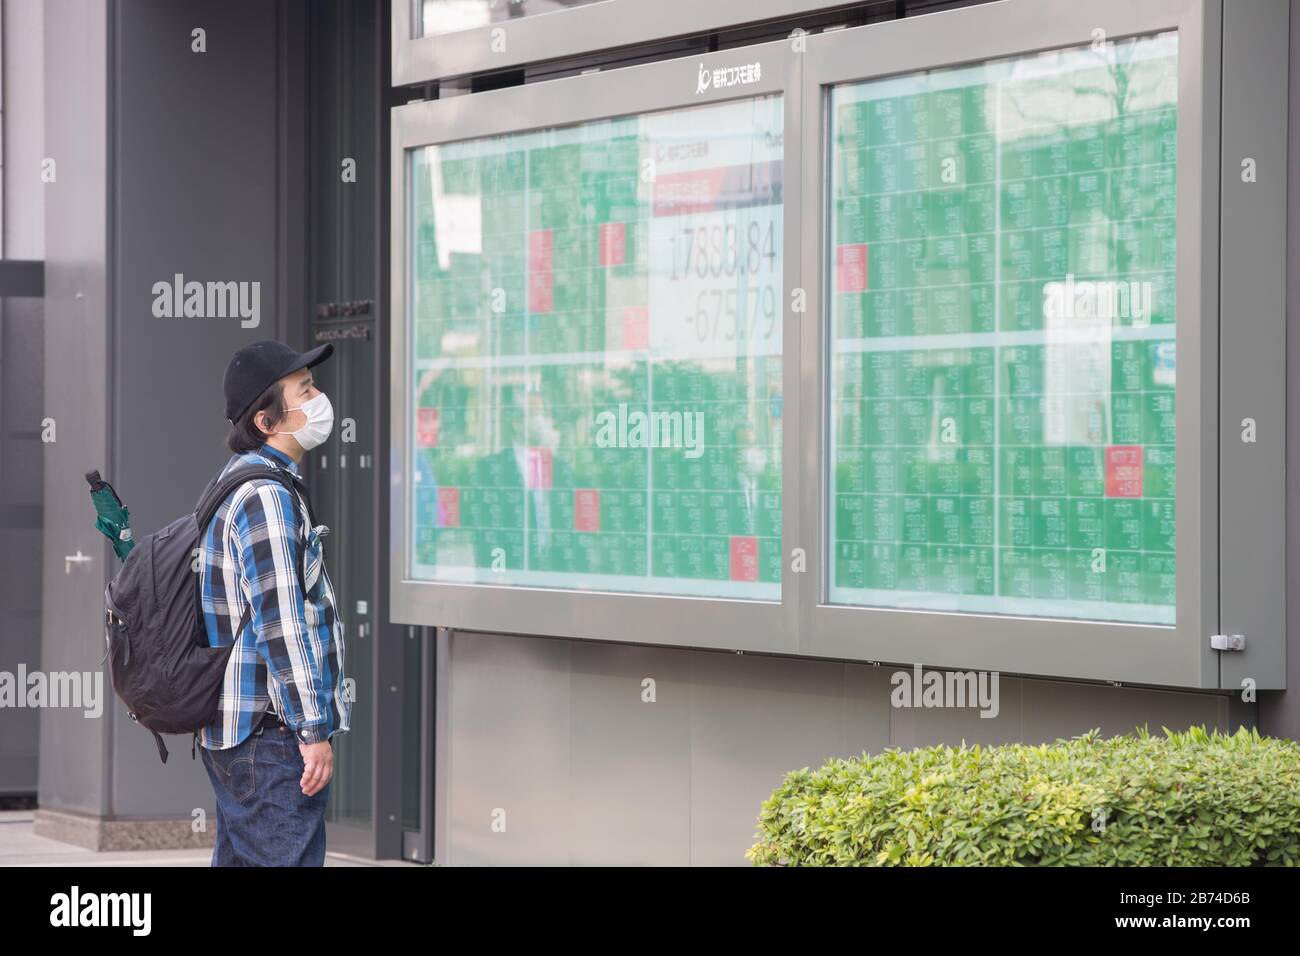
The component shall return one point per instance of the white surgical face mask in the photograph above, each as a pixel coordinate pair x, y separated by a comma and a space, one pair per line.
320, 420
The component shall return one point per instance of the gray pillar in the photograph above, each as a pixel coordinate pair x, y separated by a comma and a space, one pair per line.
1279, 712
22, 208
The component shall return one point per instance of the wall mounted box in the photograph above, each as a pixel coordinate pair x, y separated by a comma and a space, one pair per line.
1008, 433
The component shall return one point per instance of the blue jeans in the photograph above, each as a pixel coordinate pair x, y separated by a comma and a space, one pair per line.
263, 817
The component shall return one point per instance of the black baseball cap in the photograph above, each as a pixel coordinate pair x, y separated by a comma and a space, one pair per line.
255, 367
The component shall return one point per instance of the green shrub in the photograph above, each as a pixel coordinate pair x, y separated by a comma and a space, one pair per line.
1189, 799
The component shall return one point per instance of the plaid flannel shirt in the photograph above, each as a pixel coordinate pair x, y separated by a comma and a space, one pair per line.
290, 655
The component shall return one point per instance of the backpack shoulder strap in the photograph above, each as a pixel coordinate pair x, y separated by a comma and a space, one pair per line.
223, 485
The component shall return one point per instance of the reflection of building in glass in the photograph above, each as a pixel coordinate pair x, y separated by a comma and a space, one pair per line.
452, 16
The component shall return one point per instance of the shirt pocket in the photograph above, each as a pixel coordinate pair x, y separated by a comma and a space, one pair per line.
314, 559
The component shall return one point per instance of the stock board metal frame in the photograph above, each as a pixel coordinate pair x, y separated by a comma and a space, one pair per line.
563, 33
763, 626
1230, 238
1177, 655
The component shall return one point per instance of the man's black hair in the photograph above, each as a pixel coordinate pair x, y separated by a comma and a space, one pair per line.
245, 435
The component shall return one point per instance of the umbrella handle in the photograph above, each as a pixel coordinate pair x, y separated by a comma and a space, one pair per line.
99, 484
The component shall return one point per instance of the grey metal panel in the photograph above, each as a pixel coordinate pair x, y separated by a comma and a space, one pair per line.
20, 479
18, 769
1056, 709
23, 118
509, 751
20, 643
1161, 655
1252, 350
696, 622
20, 584
391, 778
1279, 713
630, 765
866, 709
21, 520
911, 727
1243, 713
22, 278
73, 748
436, 779
535, 39
553, 731
22, 351
753, 720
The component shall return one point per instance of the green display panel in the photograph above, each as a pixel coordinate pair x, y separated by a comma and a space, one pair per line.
1001, 287
596, 355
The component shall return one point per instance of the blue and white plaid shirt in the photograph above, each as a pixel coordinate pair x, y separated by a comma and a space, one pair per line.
247, 558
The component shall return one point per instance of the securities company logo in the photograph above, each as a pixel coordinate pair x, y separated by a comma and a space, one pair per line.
727, 76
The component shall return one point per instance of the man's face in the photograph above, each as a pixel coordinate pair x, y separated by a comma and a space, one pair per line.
299, 388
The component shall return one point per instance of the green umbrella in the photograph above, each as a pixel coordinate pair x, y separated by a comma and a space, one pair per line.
114, 520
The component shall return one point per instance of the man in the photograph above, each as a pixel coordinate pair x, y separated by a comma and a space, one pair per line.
268, 753
527, 461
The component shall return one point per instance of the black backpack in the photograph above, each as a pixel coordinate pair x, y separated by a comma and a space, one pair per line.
160, 662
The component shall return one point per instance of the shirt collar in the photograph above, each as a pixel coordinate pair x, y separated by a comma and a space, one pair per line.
280, 458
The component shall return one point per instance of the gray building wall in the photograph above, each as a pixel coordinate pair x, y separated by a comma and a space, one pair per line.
22, 141
23, 108
555, 739
73, 749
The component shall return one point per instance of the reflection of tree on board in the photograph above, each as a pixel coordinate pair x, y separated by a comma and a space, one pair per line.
1118, 88
1127, 84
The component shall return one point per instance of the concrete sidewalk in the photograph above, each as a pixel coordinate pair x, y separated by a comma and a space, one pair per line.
20, 846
